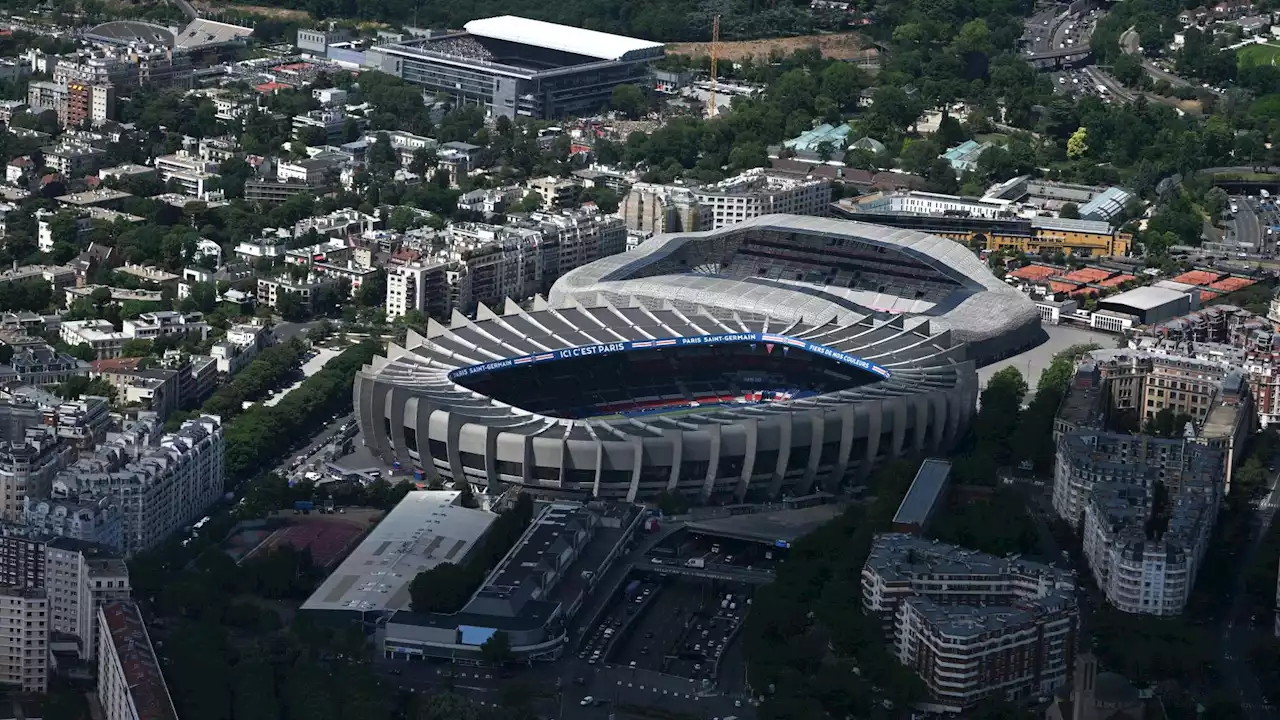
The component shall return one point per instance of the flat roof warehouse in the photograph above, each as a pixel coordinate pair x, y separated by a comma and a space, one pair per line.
425, 529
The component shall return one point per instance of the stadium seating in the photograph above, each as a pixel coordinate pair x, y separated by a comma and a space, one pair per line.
646, 381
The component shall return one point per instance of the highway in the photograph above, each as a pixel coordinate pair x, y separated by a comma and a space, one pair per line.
1111, 84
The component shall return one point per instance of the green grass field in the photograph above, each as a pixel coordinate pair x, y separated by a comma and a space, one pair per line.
1258, 55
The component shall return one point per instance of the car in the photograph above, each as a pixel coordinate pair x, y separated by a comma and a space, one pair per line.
643, 651
580, 681
592, 661
632, 665
588, 700
656, 561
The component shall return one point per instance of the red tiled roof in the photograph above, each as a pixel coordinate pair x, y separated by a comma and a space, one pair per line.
1117, 280
1196, 277
1088, 275
114, 364
138, 661
1033, 272
1231, 284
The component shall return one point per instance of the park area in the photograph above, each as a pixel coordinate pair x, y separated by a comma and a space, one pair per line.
1261, 54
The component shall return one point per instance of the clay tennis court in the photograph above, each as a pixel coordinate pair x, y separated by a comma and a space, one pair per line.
328, 538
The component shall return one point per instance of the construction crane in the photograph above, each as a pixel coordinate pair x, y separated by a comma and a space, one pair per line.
712, 108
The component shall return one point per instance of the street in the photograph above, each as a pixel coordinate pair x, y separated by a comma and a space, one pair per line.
1236, 672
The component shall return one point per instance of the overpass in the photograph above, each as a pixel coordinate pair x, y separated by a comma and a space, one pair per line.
711, 571
1070, 57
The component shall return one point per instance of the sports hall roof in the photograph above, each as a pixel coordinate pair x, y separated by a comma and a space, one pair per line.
564, 38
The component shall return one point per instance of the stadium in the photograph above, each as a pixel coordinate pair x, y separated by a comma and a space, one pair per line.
782, 355
519, 67
199, 34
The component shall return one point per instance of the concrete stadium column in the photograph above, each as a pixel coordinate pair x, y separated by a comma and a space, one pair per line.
875, 421
637, 444
677, 450
491, 455
920, 404
454, 434
526, 475
846, 446
784, 454
749, 459
422, 423
708, 485
899, 406
819, 426
937, 419
595, 485
399, 399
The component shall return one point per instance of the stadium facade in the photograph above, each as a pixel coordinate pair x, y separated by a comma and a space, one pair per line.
781, 355
514, 66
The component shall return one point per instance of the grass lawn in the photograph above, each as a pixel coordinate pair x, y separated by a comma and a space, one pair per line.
1265, 54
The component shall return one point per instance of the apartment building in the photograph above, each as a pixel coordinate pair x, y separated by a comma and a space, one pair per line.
166, 323
496, 262
79, 578
973, 626
242, 344
189, 171
271, 289
756, 192
130, 683
94, 520
22, 562
160, 483
581, 236
660, 209
100, 335
29, 467
24, 639
92, 104
331, 121
40, 364
418, 286
1144, 545
126, 67
74, 159
340, 223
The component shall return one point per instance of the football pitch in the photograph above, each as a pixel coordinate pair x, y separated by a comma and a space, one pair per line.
1263, 54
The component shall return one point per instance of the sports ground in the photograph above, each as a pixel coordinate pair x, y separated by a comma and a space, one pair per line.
1261, 54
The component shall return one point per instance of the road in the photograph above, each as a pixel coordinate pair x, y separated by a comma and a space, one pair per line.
1111, 84
1246, 225
1236, 673
1131, 42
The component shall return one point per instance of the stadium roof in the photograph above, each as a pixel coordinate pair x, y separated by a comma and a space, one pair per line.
558, 37
204, 33
425, 529
983, 307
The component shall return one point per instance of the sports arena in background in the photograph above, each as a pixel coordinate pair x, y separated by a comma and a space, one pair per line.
785, 354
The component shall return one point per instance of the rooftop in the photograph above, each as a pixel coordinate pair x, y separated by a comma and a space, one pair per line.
146, 684
564, 38
776, 528
93, 197
1145, 298
426, 528
923, 495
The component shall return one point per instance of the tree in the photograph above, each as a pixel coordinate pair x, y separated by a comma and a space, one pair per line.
1070, 210
825, 150
1077, 144
496, 650
1215, 202
628, 100
135, 347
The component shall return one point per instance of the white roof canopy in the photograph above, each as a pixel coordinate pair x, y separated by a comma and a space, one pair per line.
558, 37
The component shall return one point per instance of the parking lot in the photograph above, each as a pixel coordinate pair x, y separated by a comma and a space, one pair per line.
676, 627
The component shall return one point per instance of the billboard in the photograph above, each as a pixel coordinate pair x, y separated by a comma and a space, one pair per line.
609, 348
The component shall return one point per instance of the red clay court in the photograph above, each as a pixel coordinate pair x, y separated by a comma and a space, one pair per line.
329, 539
